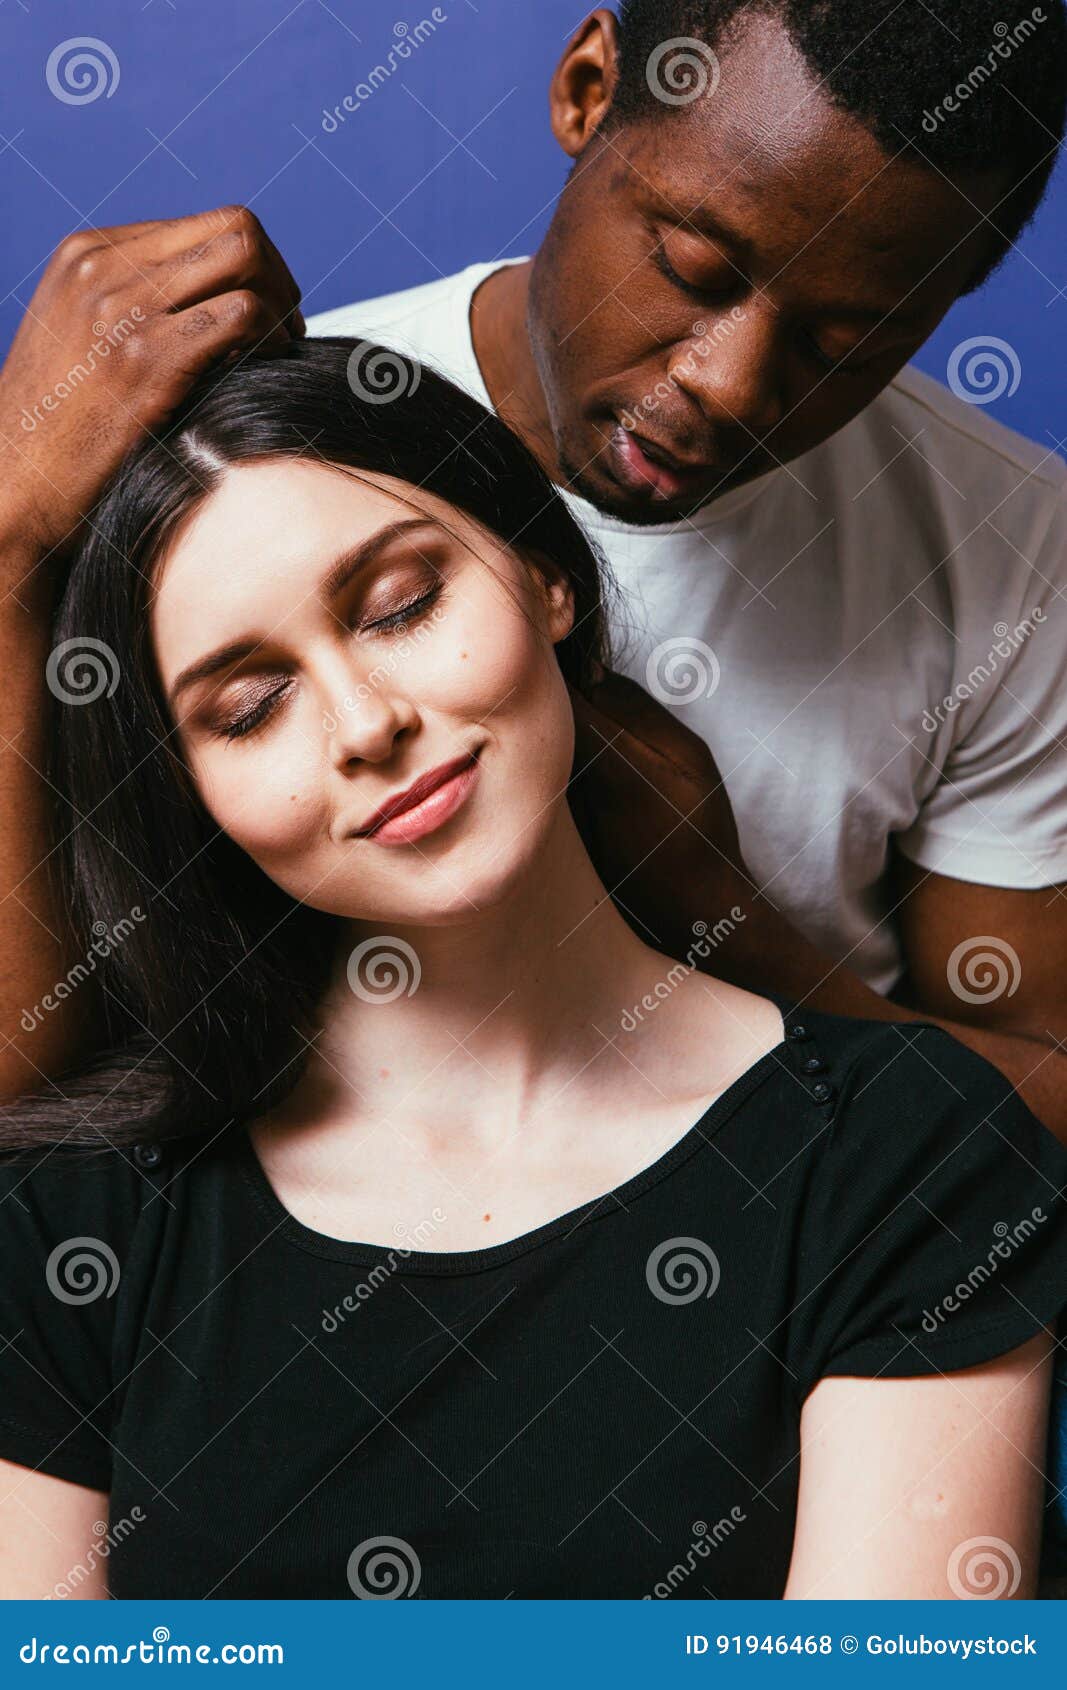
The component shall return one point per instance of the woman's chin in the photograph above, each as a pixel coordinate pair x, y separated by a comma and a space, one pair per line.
449, 895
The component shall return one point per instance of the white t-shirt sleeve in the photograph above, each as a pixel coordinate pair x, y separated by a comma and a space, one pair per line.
997, 814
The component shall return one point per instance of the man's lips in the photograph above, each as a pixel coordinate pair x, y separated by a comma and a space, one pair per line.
425, 805
655, 472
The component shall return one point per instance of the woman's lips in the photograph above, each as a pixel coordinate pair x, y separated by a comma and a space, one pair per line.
432, 812
638, 472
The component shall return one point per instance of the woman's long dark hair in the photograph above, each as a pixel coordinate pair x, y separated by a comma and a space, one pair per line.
211, 974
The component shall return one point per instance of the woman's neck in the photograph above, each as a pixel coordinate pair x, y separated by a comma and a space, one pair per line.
481, 1021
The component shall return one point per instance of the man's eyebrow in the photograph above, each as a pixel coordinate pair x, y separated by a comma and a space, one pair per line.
709, 222
338, 573
701, 221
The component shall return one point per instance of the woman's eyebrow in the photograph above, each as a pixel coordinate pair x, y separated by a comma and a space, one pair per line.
342, 568
338, 573
205, 667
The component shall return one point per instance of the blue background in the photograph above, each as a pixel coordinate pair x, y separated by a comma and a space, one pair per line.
450, 161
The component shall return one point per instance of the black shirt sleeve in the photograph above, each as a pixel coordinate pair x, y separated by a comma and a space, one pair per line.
932, 1222
65, 1225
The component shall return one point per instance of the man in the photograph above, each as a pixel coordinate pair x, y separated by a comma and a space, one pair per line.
770, 208
845, 579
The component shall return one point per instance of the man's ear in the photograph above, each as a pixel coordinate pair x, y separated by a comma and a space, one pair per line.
584, 81
556, 592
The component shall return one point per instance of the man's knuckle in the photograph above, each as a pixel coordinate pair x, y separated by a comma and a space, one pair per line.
241, 218
197, 320
243, 307
89, 267
133, 352
192, 254
107, 305
79, 241
246, 247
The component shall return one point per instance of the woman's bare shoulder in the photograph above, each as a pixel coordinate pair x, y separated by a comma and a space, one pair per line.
701, 1032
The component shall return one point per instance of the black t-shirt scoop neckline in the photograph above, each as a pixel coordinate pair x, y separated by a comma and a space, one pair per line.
581, 1411
403, 1257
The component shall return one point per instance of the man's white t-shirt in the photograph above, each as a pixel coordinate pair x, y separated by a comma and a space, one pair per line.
871, 639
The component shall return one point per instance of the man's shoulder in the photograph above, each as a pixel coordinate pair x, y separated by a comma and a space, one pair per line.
948, 431
366, 316
430, 323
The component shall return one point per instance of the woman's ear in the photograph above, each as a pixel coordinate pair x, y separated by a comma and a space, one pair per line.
556, 593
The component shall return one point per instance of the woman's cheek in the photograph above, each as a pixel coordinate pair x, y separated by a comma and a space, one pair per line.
488, 657
456, 669
263, 798
509, 679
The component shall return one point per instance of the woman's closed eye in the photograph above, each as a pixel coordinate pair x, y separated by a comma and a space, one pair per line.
236, 727
396, 621
392, 622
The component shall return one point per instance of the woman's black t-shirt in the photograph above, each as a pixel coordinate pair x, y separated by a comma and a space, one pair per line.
608, 1406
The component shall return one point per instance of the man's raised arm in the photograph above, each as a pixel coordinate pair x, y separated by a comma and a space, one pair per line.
122, 323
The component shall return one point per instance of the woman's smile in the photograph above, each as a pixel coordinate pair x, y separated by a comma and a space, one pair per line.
426, 805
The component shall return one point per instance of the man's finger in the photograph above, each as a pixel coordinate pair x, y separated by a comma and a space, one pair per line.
167, 243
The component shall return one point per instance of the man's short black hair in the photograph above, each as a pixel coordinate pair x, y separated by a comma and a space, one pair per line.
962, 85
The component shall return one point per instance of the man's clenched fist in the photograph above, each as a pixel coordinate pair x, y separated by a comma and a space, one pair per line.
123, 322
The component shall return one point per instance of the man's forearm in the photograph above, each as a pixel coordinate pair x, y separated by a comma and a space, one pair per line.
36, 946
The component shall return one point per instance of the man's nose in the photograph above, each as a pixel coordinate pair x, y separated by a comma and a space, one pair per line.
734, 370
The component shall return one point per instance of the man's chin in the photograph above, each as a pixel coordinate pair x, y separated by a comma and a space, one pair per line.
601, 491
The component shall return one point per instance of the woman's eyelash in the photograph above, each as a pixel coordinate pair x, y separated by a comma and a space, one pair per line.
252, 718
397, 618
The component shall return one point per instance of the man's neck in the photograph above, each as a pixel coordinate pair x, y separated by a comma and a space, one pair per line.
505, 358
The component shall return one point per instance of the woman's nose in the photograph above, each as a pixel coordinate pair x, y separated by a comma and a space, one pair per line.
365, 721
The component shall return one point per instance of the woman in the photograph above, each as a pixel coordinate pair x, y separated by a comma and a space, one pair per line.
420, 1230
